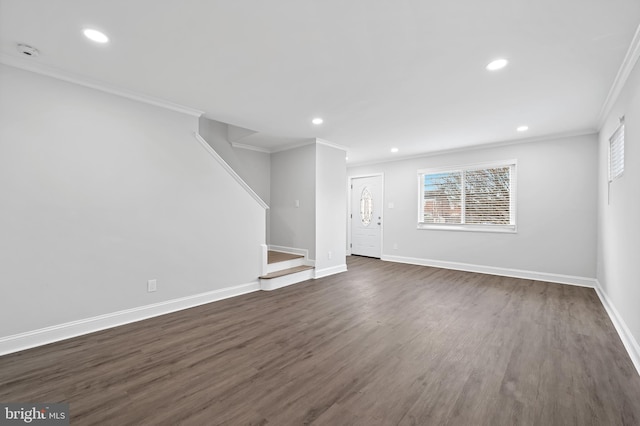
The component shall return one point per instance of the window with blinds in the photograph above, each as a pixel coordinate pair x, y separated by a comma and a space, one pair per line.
475, 197
616, 153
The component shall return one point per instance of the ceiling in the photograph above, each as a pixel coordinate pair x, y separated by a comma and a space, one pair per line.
405, 73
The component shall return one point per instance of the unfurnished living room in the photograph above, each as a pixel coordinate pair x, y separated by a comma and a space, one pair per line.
290, 212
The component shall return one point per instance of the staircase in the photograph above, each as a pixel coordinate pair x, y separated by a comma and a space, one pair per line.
284, 269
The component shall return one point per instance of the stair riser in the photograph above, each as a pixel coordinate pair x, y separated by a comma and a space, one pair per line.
278, 266
285, 280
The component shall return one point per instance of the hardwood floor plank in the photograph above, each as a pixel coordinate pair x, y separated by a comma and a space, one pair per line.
382, 344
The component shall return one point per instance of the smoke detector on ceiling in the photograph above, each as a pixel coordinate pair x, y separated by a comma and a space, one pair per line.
28, 50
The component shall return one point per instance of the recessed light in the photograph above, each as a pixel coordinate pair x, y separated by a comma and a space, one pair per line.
28, 50
497, 64
522, 128
95, 35
394, 150
317, 121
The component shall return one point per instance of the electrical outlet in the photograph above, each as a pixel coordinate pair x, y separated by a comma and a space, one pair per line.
395, 246
329, 254
152, 285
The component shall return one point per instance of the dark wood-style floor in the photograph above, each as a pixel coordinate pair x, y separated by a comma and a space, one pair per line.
383, 344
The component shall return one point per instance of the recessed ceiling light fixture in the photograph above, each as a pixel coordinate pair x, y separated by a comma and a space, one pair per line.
498, 64
394, 150
317, 121
28, 50
95, 35
522, 128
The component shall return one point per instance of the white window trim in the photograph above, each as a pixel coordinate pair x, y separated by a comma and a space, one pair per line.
508, 229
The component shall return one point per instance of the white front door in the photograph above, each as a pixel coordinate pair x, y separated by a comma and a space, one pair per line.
366, 216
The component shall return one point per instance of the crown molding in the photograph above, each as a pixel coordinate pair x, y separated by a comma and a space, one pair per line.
331, 144
308, 142
551, 136
630, 59
250, 147
49, 71
293, 146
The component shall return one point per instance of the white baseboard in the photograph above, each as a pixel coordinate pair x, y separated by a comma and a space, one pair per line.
629, 342
43, 336
320, 273
492, 270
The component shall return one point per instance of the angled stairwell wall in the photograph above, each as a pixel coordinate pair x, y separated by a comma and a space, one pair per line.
254, 167
100, 194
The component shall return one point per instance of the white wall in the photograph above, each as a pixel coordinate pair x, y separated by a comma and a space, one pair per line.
619, 218
293, 177
331, 208
100, 194
556, 210
253, 167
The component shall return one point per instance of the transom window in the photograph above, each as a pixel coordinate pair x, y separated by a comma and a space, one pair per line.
479, 197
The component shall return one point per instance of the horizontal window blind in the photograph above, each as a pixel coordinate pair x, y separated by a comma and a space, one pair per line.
488, 196
470, 197
443, 197
616, 153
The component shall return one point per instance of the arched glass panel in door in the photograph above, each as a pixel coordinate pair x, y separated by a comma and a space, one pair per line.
366, 206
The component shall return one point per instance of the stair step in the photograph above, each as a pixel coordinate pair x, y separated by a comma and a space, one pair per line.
287, 264
284, 272
286, 277
278, 256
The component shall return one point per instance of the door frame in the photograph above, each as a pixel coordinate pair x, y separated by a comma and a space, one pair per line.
349, 212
